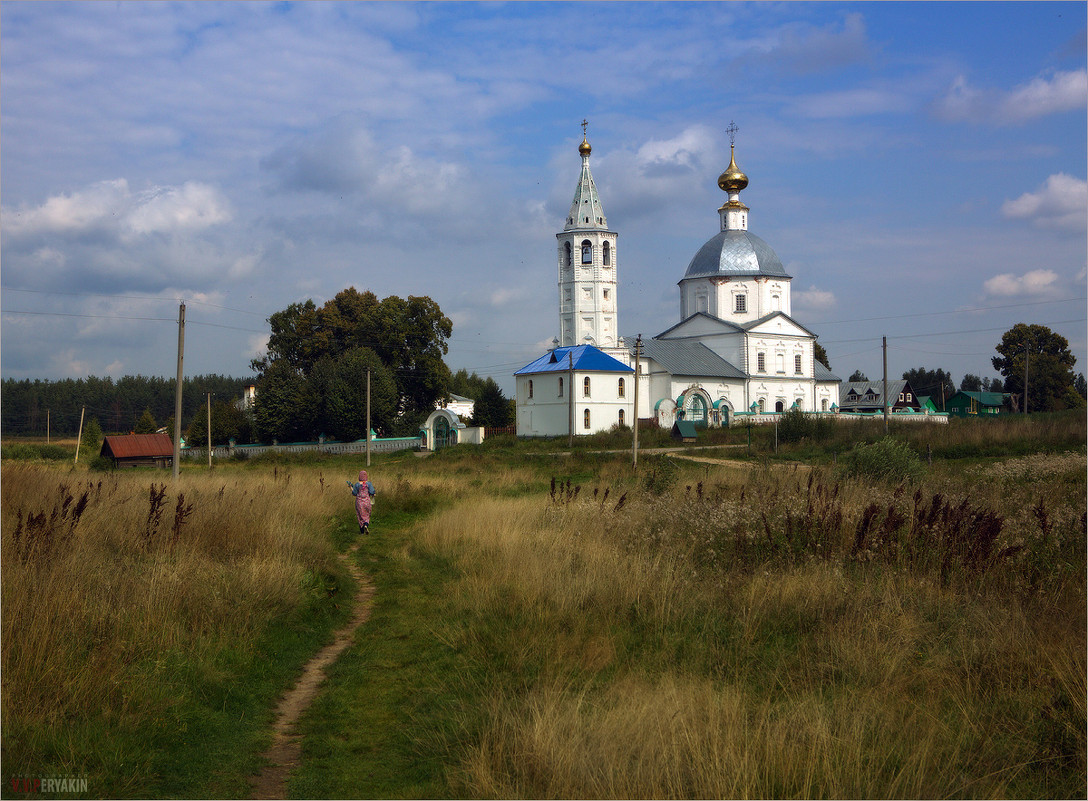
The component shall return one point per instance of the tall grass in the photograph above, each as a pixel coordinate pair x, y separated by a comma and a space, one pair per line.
773, 635
125, 600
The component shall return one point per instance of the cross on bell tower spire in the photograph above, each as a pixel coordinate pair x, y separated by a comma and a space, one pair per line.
732, 131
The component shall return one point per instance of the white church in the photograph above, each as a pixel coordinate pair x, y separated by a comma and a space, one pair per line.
736, 353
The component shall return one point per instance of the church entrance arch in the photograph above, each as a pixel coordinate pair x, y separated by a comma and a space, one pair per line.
724, 412
441, 428
696, 404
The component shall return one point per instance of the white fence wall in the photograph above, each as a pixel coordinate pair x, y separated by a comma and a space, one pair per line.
376, 446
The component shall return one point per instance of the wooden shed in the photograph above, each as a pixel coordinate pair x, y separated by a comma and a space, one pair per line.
139, 450
968, 404
684, 430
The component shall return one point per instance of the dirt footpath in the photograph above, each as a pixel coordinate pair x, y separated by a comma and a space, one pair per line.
286, 748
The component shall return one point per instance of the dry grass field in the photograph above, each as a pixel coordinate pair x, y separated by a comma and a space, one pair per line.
554, 626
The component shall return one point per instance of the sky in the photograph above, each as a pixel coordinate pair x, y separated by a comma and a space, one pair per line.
919, 168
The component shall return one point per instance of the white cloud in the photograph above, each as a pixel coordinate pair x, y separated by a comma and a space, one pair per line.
813, 299
1057, 92
1034, 282
112, 206
1062, 202
852, 103
165, 209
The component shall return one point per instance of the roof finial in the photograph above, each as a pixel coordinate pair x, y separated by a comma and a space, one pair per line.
584, 148
732, 131
584, 124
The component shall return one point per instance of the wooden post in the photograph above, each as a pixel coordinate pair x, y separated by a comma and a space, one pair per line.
368, 417
570, 404
46, 426
638, 350
209, 431
79, 436
885, 386
177, 391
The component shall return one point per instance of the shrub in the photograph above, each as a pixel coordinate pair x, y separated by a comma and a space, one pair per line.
796, 425
885, 460
661, 474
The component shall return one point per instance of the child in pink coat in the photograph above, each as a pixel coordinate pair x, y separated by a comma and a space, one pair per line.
364, 493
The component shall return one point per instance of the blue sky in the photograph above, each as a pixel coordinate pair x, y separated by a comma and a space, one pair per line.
920, 169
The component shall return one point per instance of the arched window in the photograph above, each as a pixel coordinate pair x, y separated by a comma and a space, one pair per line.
587, 252
779, 406
585, 388
823, 405
560, 387
585, 420
566, 246
530, 387
607, 254
622, 389
762, 405
621, 417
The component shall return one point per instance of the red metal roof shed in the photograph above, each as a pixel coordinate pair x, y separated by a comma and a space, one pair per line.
139, 449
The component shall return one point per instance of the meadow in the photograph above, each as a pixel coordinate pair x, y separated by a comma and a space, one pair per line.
555, 625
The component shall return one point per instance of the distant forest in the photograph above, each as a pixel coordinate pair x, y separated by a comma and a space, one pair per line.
117, 405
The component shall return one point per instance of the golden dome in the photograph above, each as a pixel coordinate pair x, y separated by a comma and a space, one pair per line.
584, 148
732, 180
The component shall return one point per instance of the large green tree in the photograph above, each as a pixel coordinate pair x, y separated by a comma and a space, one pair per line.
340, 385
492, 408
285, 406
1049, 367
821, 355
408, 335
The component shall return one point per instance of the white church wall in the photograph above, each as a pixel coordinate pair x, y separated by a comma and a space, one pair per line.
548, 414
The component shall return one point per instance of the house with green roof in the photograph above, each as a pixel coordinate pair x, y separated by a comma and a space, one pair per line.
978, 404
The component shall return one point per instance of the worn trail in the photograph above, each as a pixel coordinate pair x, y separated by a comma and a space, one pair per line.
284, 754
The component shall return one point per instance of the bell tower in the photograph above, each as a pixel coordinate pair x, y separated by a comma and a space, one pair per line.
587, 267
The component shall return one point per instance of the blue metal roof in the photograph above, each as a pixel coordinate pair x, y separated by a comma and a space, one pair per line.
586, 359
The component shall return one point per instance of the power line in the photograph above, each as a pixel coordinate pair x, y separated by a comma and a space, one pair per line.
953, 311
130, 297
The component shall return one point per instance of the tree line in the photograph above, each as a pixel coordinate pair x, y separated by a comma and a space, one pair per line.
1044, 355
116, 405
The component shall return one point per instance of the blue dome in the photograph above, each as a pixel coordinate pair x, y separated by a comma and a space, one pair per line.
735, 253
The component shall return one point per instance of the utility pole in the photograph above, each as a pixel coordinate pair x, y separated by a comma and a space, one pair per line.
570, 403
885, 386
638, 351
1026, 354
209, 431
177, 391
79, 436
46, 426
368, 417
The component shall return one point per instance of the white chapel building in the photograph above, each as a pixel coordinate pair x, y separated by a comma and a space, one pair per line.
735, 351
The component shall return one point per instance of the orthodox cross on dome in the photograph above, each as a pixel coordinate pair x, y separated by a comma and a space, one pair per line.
732, 131
584, 124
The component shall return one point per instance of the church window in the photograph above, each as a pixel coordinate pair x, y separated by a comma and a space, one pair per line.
622, 388
607, 254
606, 294
587, 252
797, 364
823, 405
566, 246
585, 418
780, 363
702, 303
585, 387
762, 405
761, 362
779, 406
776, 303
530, 387
740, 304
621, 417
560, 387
